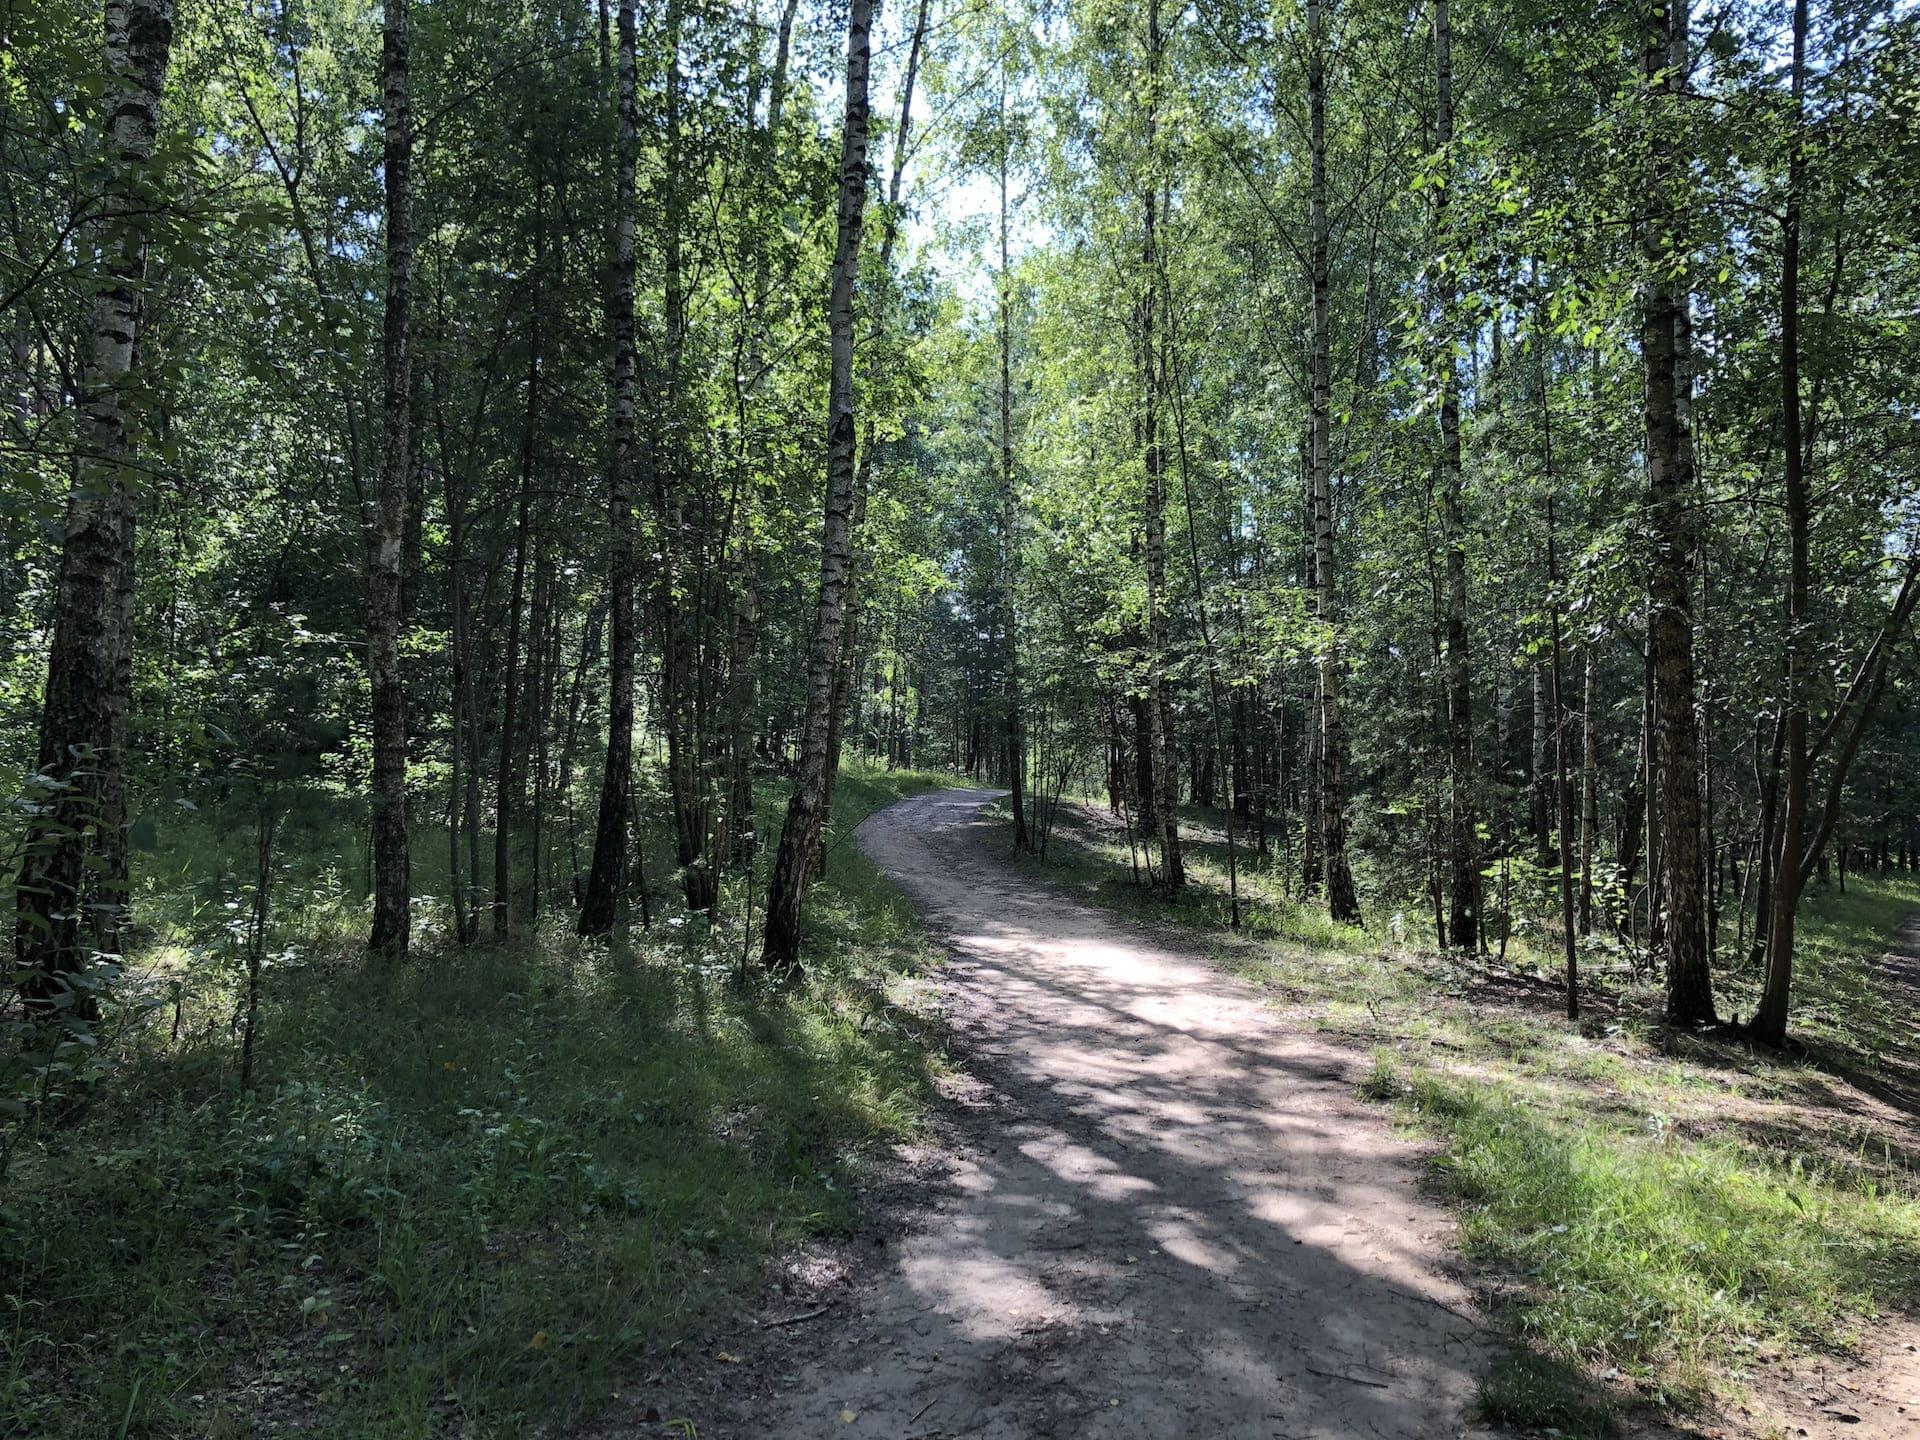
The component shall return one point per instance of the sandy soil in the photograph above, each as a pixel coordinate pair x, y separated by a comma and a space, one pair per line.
1159, 1213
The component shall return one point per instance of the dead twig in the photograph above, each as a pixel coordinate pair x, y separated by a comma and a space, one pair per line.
1350, 1379
795, 1319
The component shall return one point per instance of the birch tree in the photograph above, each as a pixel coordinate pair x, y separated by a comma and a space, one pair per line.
70, 897
800, 833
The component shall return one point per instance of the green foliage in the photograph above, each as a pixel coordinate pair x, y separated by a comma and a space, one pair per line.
539, 1141
470, 1196
1533, 1394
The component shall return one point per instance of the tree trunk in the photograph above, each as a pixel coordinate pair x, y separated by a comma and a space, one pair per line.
1589, 796
413, 543
1563, 800
1668, 402
391, 919
113, 915
1228, 779
1646, 773
848, 684
1439, 813
864, 448
506, 781
1342, 903
544, 666
590, 641
1463, 921
607, 878
1166, 796
799, 835
1146, 811
1009, 534
81, 763
464, 922
1770, 1022
1539, 768
680, 613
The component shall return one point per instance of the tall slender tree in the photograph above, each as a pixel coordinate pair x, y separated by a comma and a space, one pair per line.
1330, 745
507, 778
679, 584
392, 903
1009, 505
1671, 521
1166, 808
1804, 831
743, 636
863, 472
800, 833
67, 894
1463, 916
1770, 1023
601, 906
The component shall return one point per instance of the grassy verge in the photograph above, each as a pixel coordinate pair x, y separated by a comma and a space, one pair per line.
1655, 1216
466, 1198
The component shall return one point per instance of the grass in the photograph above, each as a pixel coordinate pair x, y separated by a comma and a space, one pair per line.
1839, 1004
1528, 1392
1667, 1258
1654, 1217
477, 1195
1095, 861
473, 1196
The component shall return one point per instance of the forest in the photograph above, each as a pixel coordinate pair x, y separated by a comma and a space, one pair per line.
742, 717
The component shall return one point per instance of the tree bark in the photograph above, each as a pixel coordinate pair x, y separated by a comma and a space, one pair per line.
799, 834
1342, 903
1671, 522
1463, 919
1589, 796
392, 921
742, 837
1770, 1022
1563, 799
601, 907
680, 613
465, 924
544, 666
1230, 781
1539, 768
864, 450
1146, 812
81, 763
1166, 770
1802, 844
1009, 514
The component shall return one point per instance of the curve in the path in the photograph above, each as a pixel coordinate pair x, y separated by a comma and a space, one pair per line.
1168, 1215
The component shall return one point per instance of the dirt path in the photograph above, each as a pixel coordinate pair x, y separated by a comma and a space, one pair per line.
1163, 1215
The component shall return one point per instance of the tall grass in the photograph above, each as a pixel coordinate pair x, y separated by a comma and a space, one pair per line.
470, 1196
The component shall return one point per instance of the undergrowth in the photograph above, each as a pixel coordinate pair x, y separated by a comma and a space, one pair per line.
468, 1196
